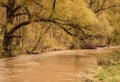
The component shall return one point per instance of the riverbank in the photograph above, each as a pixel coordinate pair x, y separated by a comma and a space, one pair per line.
111, 68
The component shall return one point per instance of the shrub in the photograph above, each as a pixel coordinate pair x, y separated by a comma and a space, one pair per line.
110, 59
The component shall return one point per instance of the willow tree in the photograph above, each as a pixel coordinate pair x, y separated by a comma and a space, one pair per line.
13, 7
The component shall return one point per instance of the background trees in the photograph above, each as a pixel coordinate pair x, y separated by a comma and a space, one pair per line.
29, 25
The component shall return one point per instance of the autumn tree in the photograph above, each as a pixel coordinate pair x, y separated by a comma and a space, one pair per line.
10, 27
12, 11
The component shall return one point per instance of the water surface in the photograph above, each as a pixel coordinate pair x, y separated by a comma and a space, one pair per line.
35, 68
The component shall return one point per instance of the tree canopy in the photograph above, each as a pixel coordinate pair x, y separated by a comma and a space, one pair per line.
63, 22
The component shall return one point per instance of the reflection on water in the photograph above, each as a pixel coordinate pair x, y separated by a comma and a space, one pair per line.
60, 68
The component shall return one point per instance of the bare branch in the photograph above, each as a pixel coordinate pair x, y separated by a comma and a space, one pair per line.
53, 8
20, 14
91, 3
66, 30
39, 5
103, 3
28, 13
17, 8
54, 4
4, 5
101, 9
99, 5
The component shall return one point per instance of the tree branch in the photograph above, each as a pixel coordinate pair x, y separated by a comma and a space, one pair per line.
48, 20
66, 30
39, 5
18, 27
17, 8
20, 14
28, 13
53, 7
4, 5
91, 3
101, 9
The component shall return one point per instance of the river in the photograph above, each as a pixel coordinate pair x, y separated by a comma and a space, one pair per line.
61, 66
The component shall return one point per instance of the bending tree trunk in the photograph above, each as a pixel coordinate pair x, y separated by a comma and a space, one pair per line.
7, 45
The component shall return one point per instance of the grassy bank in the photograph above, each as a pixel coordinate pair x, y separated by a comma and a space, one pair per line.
111, 67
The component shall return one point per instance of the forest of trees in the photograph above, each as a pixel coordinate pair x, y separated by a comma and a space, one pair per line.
31, 26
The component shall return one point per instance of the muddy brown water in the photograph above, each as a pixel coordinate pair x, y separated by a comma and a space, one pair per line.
61, 66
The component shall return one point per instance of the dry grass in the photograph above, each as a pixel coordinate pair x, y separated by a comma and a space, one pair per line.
111, 64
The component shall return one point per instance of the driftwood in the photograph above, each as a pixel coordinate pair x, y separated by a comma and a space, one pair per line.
31, 52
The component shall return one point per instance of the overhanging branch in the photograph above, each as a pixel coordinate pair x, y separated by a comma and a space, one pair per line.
61, 24
18, 27
66, 30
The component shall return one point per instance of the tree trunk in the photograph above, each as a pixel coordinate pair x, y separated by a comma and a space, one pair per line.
7, 41
7, 45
